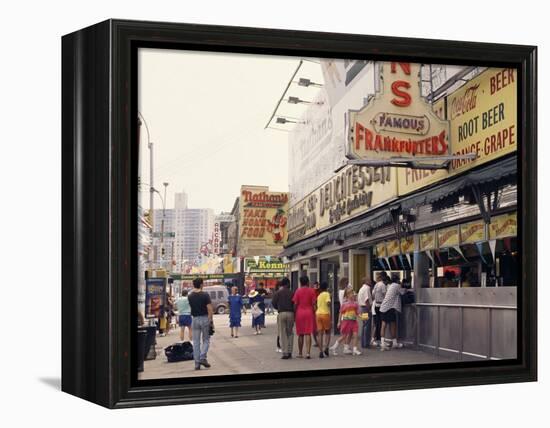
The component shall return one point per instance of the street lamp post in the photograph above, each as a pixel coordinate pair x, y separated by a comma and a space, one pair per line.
162, 249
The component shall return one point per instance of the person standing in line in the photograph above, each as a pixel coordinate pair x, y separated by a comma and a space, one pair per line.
364, 298
389, 310
282, 302
378, 293
304, 300
184, 316
323, 320
203, 323
235, 310
258, 315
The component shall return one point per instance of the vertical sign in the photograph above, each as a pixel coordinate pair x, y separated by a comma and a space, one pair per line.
155, 296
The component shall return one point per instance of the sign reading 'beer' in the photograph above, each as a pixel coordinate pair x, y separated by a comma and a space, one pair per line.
397, 122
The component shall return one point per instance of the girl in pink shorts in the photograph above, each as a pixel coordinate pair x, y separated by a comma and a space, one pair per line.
347, 322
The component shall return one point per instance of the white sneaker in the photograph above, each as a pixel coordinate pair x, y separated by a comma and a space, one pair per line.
334, 352
347, 350
396, 345
356, 351
384, 346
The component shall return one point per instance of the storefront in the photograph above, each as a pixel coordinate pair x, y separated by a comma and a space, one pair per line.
266, 270
452, 232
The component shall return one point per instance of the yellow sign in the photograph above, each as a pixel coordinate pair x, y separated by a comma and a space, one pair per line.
392, 247
407, 245
263, 221
426, 241
448, 237
482, 114
398, 122
353, 191
503, 226
381, 250
472, 232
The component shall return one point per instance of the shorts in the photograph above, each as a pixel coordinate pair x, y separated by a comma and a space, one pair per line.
349, 327
323, 322
185, 320
389, 316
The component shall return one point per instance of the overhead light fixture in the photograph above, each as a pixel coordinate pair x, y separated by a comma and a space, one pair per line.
306, 83
284, 120
296, 100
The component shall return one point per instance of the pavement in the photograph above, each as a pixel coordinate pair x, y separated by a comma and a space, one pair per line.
250, 353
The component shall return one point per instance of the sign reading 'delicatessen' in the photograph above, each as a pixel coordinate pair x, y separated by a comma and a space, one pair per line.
483, 116
263, 221
397, 122
351, 192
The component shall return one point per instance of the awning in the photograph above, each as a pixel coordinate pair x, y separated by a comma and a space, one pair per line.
503, 171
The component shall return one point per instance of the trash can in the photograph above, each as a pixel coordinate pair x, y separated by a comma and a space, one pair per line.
150, 352
141, 341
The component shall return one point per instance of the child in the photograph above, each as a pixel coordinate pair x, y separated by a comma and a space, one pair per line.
347, 322
235, 309
323, 317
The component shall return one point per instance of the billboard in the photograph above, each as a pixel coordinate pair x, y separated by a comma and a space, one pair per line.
482, 116
262, 221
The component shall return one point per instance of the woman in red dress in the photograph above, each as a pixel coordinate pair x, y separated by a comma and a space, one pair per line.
304, 300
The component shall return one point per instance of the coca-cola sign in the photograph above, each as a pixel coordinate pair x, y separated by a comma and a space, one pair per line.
464, 103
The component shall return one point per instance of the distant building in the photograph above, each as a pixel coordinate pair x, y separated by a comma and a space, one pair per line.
185, 231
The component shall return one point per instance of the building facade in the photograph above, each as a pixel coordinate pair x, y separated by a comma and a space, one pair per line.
452, 231
186, 230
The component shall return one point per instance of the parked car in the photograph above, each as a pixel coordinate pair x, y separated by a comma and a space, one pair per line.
219, 297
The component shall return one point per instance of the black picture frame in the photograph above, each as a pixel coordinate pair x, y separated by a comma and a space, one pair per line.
99, 205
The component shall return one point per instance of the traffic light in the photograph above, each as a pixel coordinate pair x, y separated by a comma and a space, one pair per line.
163, 252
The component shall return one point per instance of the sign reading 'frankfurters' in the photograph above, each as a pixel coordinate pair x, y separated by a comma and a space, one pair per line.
398, 122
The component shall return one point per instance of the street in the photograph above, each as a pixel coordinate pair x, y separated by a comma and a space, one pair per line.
251, 353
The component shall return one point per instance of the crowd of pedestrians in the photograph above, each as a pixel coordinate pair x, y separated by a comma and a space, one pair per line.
364, 319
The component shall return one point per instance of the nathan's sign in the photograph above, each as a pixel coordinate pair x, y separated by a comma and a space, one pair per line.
483, 117
503, 226
448, 237
263, 221
398, 122
353, 191
426, 241
472, 232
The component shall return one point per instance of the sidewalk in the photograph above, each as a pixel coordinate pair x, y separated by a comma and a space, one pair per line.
255, 354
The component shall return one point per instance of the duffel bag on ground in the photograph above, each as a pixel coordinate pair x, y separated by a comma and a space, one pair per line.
182, 351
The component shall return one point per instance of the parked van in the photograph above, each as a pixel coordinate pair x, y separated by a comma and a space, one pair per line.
219, 297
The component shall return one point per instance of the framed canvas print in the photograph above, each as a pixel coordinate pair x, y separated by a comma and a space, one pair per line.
253, 213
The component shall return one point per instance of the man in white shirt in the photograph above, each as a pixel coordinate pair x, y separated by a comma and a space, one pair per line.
364, 298
378, 293
389, 309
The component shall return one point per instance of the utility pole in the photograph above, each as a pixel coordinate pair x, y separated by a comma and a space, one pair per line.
162, 249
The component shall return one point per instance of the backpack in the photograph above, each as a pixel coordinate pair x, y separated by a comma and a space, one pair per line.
182, 351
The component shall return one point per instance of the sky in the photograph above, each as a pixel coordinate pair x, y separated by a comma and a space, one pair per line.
206, 114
